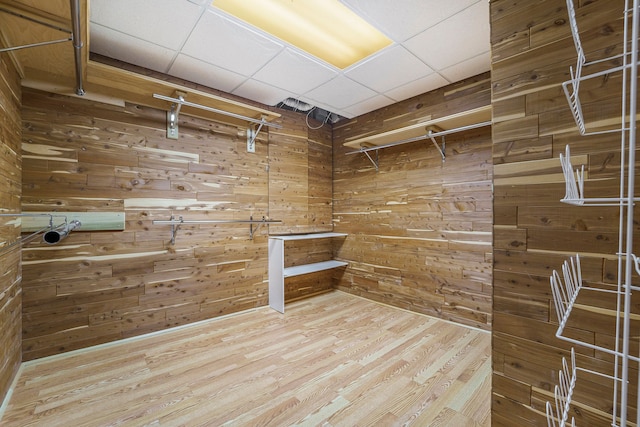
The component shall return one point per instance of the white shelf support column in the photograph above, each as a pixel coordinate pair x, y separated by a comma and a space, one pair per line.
278, 272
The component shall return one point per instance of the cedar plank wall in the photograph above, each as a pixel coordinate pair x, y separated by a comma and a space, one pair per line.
419, 229
96, 287
534, 233
10, 190
300, 191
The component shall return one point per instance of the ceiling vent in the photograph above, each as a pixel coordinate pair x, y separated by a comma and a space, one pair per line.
312, 111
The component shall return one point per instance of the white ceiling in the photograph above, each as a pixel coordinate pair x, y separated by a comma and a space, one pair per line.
435, 42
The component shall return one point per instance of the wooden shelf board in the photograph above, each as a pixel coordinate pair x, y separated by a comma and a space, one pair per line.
312, 268
307, 236
137, 88
465, 118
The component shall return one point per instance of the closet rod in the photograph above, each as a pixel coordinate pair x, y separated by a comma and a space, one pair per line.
214, 221
418, 138
181, 101
53, 234
17, 12
176, 223
74, 36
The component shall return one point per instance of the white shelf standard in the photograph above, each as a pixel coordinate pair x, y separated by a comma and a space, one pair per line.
278, 272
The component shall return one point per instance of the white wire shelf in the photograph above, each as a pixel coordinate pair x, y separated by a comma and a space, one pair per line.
558, 411
572, 86
562, 394
565, 291
574, 187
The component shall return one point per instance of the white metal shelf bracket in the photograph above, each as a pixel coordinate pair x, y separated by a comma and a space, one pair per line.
435, 143
376, 162
252, 134
172, 119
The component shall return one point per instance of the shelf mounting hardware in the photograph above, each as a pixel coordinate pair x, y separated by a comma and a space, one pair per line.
252, 134
180, 101
37, 21
172, 117
52, 233
376, 162
175, 224
430, 134
75, 36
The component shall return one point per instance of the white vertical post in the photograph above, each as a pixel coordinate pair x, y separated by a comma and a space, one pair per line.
276, 274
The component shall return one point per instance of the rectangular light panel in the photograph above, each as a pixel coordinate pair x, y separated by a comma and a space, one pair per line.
326, 29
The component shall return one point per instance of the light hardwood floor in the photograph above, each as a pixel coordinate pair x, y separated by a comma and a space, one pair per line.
330, 360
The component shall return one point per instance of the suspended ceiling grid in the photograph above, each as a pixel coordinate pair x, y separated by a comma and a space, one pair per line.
435, 43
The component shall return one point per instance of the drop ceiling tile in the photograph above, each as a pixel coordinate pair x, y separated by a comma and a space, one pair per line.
417, 87
345, 114
454, 40
163, 22
405, 19
295, 72
200, 72
468, 68
228, 44
391, 68
339, 93
261, 92
107, 42
368, 105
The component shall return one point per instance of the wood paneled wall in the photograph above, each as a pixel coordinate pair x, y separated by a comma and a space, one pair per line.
419, 229
533, 232
300, 174
300, 190
96, 287
10, 191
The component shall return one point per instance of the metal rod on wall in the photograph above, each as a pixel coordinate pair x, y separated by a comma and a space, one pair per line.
52, 234
77, 44
421, 137
181, 101
176, 223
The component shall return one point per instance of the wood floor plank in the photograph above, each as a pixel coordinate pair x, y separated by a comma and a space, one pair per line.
334, 360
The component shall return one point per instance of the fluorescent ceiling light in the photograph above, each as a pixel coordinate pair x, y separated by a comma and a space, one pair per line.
326, 29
